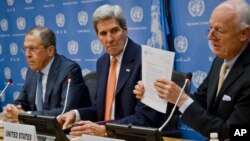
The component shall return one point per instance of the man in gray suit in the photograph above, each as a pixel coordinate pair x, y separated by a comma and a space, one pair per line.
40, 52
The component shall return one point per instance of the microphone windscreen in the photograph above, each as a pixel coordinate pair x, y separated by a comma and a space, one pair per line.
189, 76
70, 76
10, 81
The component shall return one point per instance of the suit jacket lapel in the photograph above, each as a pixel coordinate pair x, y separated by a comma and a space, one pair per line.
213, 91
53, 73
102, 84
235, 71
126, 65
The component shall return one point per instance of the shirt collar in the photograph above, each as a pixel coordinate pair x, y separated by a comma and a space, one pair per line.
45, 70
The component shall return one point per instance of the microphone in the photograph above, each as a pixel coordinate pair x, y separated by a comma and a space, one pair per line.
6, 86
188, 78
67, 93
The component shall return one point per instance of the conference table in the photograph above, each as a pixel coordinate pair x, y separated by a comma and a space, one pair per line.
2, 133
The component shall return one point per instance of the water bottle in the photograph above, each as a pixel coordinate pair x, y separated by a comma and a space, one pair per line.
213, 136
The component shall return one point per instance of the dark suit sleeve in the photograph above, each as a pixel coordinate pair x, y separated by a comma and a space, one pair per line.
207, 114
28, 92
78, 95
145, 116
56, 89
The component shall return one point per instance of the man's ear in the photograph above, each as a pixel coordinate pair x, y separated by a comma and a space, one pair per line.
245, 34
51, 50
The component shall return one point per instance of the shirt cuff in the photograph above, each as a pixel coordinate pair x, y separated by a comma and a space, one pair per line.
185, 105
78, 118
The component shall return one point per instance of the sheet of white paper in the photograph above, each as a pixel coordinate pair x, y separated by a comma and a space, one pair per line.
156, 63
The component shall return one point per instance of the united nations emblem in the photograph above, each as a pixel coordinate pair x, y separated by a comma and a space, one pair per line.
24, 72
13, 49
2, 97
7, 72
82, 18
16, 95
85, 71
198, 77
96, 47
1, 49
10, 2
21, 23
28, 1
136, 14
60, 20
196, 7
73, 47
4, 24
39, 20
181, 44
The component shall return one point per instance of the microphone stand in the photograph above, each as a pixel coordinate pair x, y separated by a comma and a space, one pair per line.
172, 112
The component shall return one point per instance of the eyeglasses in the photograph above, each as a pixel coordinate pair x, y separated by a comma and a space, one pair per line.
31, 49
216, 33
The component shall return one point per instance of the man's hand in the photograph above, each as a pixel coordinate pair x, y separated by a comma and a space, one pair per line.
87, 127
67, 119
11, 112
139, 90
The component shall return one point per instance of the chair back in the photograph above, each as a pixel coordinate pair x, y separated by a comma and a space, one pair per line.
91, 82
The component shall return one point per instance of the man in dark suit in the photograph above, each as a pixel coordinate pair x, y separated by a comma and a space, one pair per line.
40, 52
111, 29
210, 108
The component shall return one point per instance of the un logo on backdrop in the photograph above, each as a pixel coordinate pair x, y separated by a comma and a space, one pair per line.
73, 47
24, 72
96, 47
39, 20
60, 20
21, 23
85, 71
196, 7
7, 72
180, 44
3, 97
198, 77
13, 49
4, 24
16, 95
82, 18
1, 49
28, 1
136, 14
10, 2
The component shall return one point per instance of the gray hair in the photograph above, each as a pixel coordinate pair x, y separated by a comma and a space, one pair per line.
46, 35
242, 8
106, 12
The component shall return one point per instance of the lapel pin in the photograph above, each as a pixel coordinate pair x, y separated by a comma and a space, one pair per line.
127, 70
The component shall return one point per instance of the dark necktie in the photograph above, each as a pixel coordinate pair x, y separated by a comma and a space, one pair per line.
39, 96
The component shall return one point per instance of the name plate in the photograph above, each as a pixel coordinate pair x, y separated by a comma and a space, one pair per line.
19, 132
94, 138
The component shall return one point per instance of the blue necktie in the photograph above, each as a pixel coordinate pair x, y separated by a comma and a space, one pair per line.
39, 96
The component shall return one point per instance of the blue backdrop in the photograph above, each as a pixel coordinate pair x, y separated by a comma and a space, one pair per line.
76, 39
71, 20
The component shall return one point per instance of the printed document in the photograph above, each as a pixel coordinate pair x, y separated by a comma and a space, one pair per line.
156, 63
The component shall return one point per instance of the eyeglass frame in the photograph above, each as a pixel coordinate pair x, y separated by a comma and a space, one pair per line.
218, 33
34, 48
